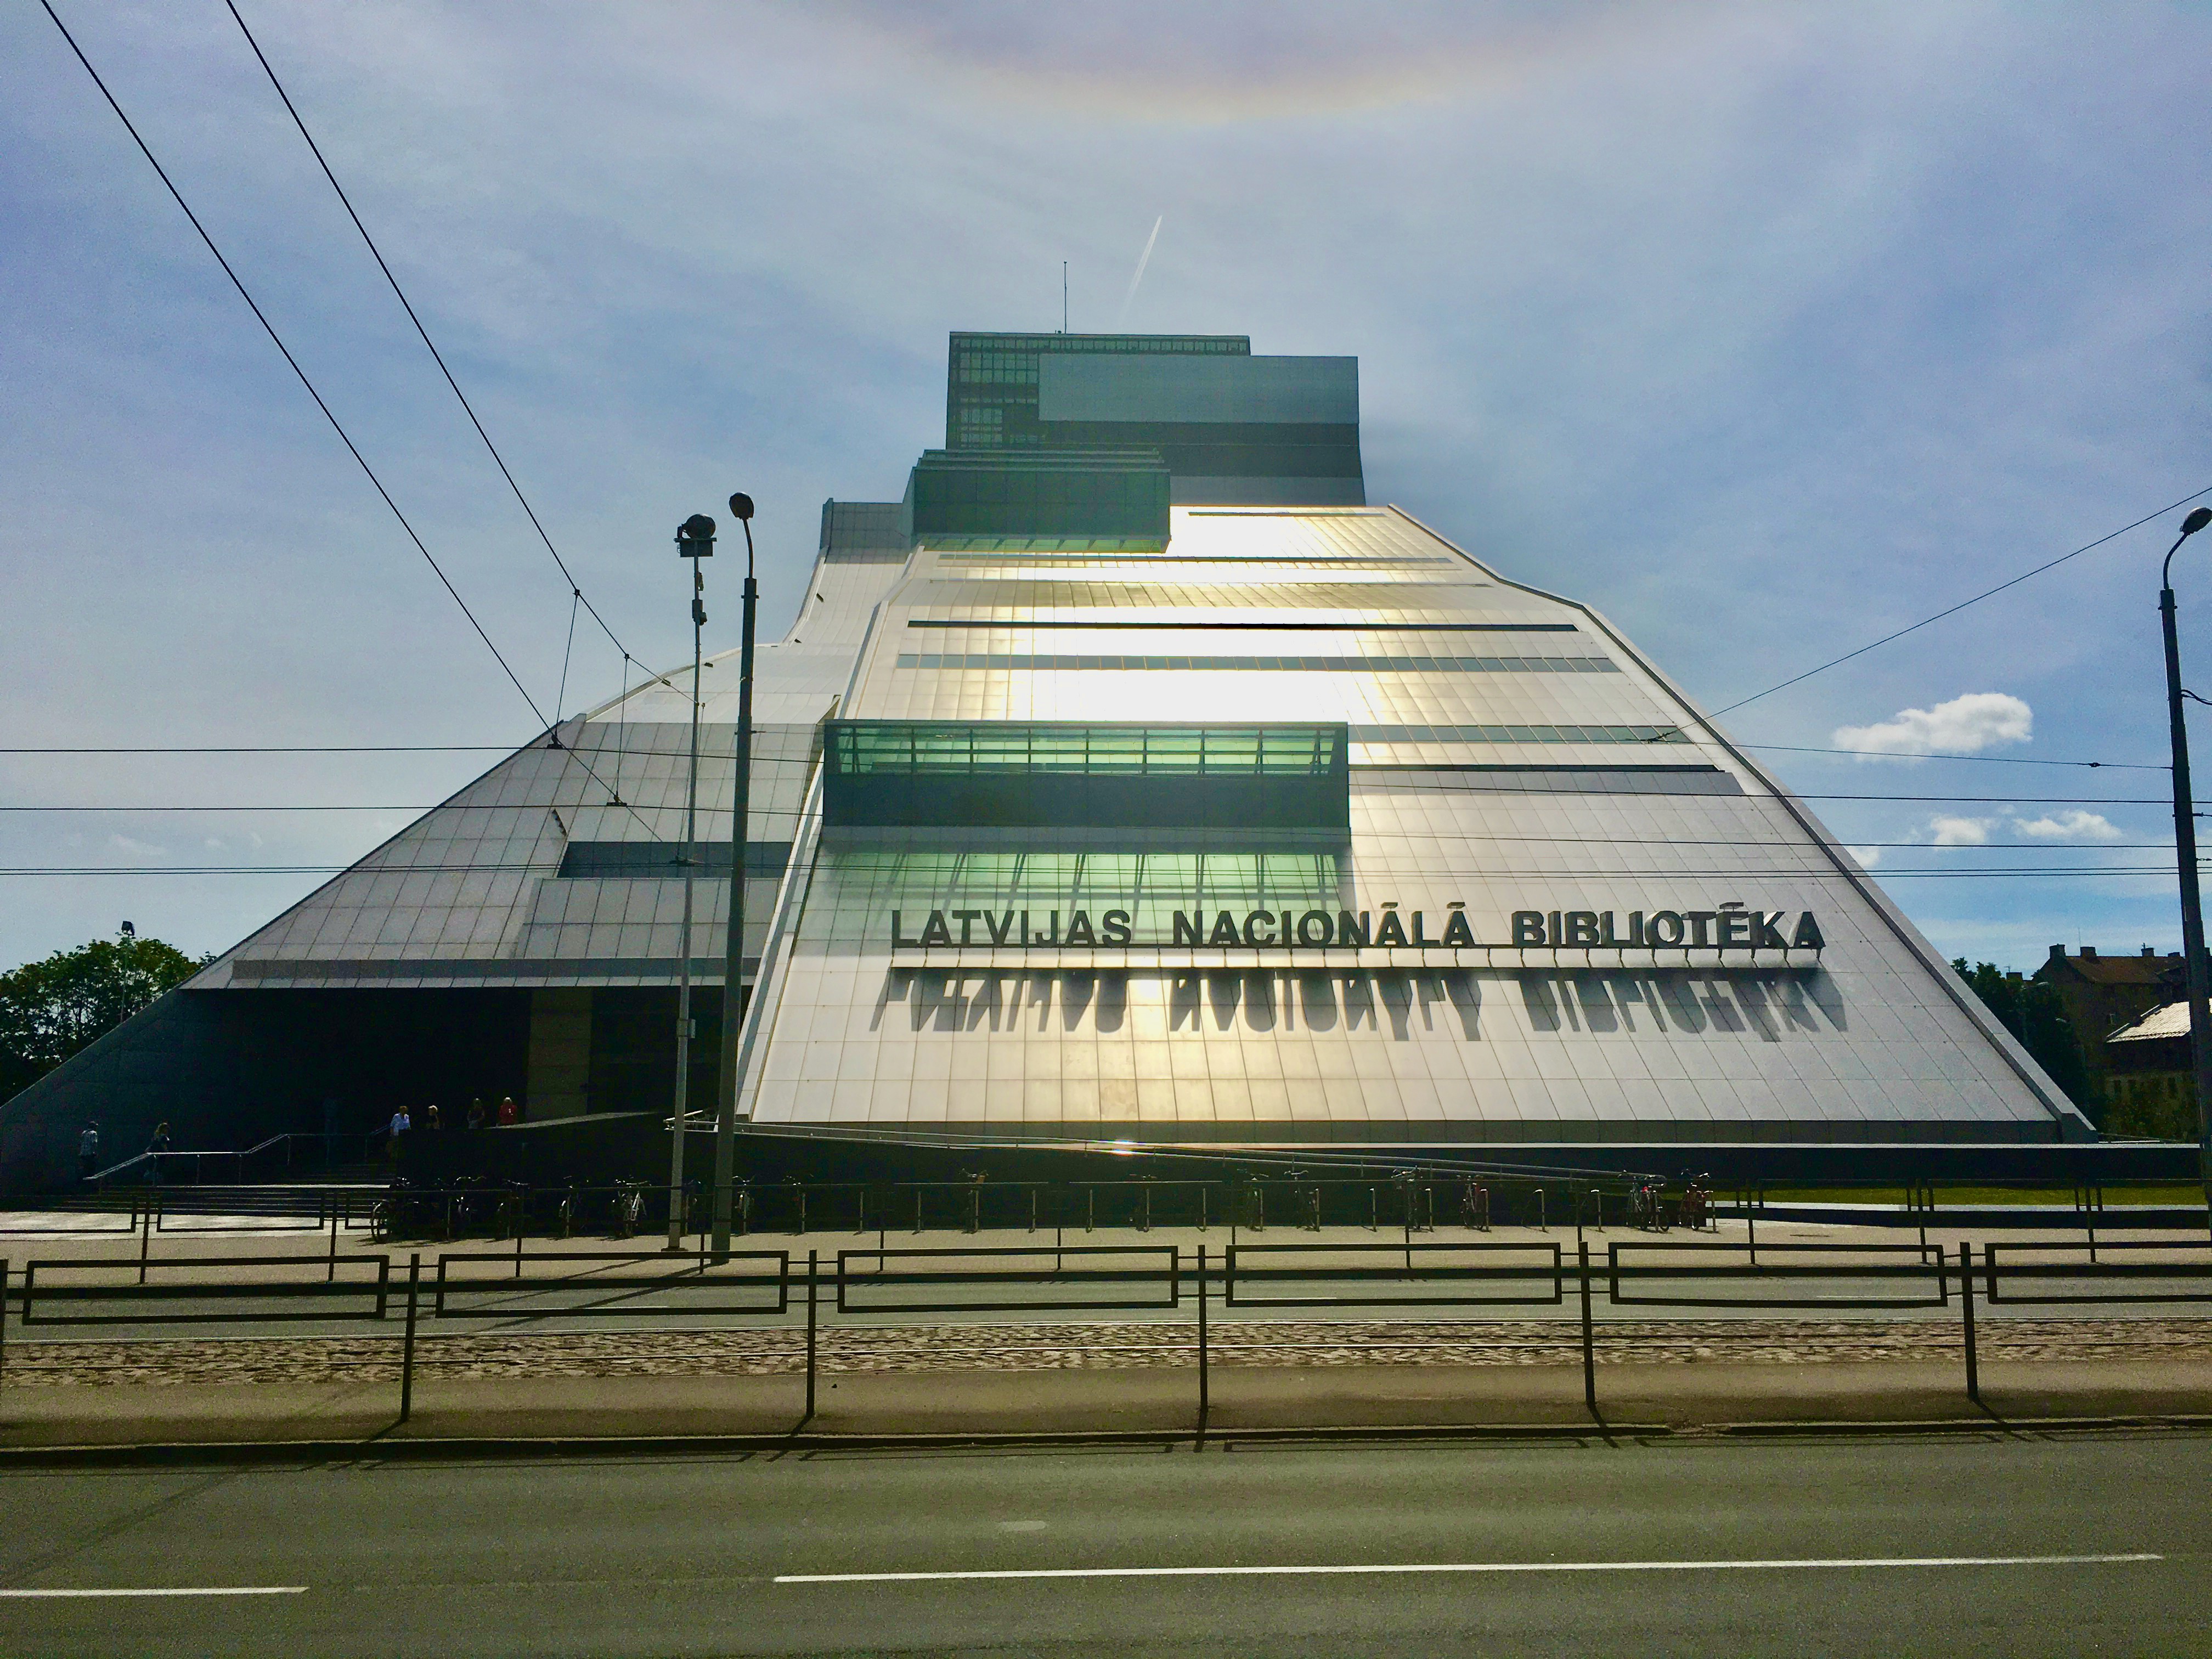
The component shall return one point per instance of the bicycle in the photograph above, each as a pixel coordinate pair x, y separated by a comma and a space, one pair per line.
630, 1208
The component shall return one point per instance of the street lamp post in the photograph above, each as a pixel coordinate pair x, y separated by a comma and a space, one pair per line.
2185, 847
725, 1098
695, 540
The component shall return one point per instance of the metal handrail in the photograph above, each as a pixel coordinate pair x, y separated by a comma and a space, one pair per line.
1402, 1269
1058, 1273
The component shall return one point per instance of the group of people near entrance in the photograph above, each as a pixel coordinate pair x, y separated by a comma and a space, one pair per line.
87, 1153
505, 1115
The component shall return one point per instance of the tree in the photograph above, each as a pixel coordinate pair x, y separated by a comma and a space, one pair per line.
50, 1009
2035, 1013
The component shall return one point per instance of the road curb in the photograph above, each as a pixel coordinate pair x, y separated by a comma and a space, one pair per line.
528, 1447
518, 1448
1993, 1425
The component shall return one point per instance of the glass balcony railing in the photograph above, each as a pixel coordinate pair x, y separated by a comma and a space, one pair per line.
956, 748
1242, 779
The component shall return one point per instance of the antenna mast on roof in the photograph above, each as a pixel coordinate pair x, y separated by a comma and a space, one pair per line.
1063, 296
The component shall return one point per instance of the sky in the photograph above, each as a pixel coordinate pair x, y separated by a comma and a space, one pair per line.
1765, 329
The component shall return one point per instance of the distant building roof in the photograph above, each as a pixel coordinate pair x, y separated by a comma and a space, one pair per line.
2159, 1024
2143, 969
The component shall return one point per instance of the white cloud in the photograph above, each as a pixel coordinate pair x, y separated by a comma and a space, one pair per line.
1960, 832
138, 850
1964, 725
2074, 824
1867, 856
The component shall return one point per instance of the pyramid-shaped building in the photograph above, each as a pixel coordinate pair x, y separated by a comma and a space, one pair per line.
1130, 779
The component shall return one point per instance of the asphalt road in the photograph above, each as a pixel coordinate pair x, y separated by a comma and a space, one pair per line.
1914, 1546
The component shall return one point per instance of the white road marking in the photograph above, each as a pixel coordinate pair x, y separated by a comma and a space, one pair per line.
1477, 1566
230, 1589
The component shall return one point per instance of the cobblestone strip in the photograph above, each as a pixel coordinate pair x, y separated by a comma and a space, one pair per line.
1088, 1347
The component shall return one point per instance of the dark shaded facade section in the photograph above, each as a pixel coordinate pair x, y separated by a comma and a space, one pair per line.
991, 380
1120, 493
226, 1069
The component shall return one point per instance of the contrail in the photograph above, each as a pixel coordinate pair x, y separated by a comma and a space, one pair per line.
1143, 259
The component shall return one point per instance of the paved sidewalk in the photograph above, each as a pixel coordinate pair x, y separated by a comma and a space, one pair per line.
1677, 1398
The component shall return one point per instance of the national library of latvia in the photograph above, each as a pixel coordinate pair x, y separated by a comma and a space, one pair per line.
1133, 779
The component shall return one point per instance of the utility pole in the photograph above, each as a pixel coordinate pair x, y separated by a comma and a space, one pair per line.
2184, 849
695, 540
733, 998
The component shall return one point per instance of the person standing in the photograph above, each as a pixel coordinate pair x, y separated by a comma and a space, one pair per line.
157, 1149
87, 1151
396, 1132
508, 1116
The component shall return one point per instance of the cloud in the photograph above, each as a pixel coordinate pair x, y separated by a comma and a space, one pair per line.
1867, 856
1960, 832
2074, 824
1964, 725
136, 850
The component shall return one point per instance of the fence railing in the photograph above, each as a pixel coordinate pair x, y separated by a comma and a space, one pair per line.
486, 1284
518, 1286
1406, 1204
1700, 1264
1427, 1275
1054, 1284
174, 1299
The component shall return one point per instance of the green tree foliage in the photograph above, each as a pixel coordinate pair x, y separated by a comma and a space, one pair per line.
2035, 1013
51, 1009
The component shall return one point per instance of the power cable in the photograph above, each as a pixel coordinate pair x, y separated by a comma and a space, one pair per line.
503, 748
269, 749
1514, 874
2038, 848
277, 339
1961, 606
1995, 760
333, 749
561, 697
336, 425
574, 588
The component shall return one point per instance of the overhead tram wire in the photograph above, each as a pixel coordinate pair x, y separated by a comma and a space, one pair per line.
2040, 849
337, 426
794, 760
576, 587
267, 748
277, 339
1939, 755
328, 749
1962, 604
561, 697
1219, 899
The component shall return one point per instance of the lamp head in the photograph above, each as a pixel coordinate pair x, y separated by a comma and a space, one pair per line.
741, 506
695, 537
2196, 520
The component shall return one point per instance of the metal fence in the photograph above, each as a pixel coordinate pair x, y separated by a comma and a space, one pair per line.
521, 1287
